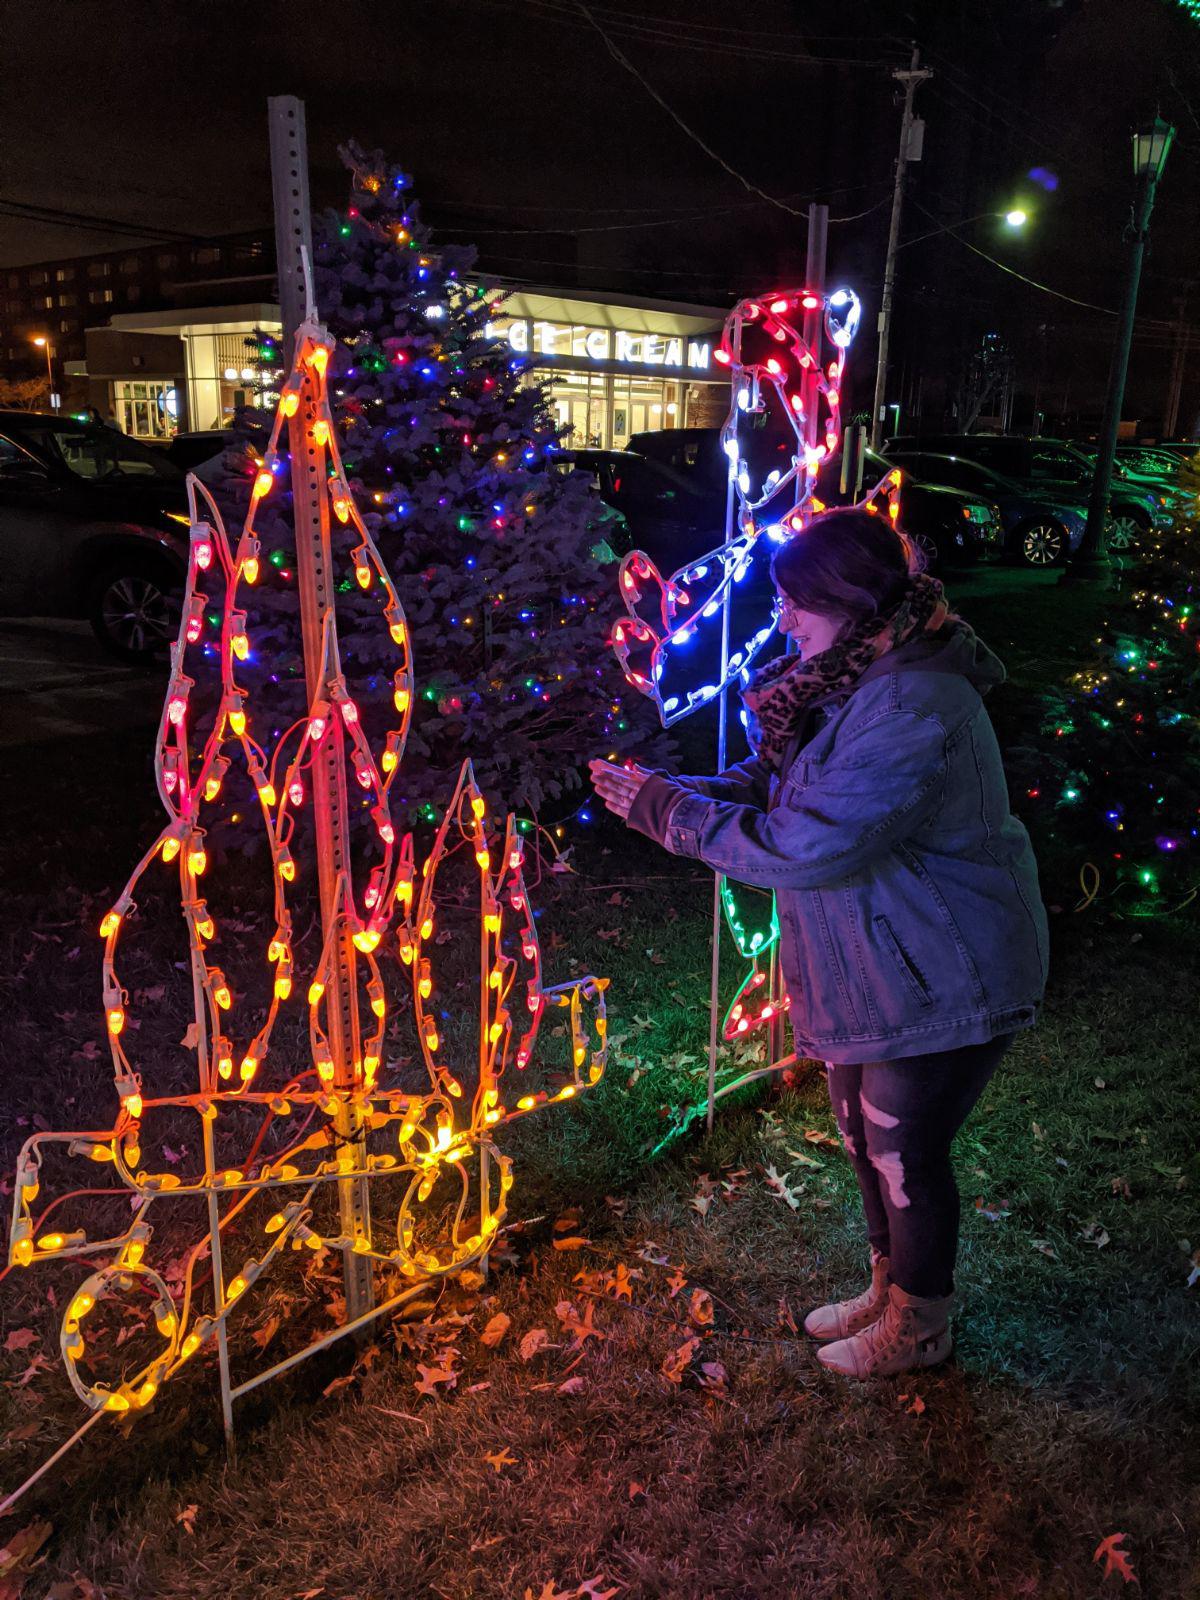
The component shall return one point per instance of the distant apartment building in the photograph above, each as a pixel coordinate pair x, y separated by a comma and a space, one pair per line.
160, 340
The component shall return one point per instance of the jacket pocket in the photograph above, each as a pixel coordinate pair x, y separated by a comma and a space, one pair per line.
909, 970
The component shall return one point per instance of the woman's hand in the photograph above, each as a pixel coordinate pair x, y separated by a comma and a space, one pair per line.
616, 785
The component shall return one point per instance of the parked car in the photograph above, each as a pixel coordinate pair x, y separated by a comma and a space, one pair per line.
1049, 466
187, 451
92, 524
950, 527
668, 515
1040, 529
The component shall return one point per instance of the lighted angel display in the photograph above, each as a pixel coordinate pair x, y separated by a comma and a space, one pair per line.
292, 1098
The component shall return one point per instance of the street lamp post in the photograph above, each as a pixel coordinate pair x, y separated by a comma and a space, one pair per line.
44, 344
1150, 147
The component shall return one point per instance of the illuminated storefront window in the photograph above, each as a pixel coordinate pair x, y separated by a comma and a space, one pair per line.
147, 410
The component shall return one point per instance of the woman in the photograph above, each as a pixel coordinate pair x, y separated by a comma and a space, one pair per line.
913, 937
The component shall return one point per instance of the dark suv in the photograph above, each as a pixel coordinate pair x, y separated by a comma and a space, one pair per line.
92, 524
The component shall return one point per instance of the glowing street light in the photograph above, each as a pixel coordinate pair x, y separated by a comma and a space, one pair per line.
1016, 218
43, 343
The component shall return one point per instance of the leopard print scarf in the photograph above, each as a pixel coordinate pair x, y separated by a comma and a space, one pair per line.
781, 693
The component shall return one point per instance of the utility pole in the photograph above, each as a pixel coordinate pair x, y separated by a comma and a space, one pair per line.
1178, 365
1150, 149
910, 77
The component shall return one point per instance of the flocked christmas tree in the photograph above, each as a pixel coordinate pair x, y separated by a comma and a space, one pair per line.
1116, 782
497, 552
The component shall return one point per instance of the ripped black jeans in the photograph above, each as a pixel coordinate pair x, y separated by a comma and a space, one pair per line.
898, 1120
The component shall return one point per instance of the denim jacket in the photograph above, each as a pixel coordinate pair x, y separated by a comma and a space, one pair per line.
910, 915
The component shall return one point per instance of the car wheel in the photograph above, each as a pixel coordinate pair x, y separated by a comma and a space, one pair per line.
134, 608
1123, 532
930, 554
1041, 544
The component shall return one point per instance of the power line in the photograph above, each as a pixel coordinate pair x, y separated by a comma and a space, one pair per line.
623, 60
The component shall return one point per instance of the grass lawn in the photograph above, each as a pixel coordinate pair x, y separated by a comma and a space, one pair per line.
643, 1417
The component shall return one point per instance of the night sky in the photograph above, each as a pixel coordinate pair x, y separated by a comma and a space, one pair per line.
512, 114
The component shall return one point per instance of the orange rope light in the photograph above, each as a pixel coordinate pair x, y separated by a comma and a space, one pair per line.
338, 1124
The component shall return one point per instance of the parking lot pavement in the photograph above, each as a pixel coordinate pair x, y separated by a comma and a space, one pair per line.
57, 683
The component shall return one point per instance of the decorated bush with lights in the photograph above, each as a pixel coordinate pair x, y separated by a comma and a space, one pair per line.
494, 548
1112, 790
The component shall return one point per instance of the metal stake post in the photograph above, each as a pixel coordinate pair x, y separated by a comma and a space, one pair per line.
293, 235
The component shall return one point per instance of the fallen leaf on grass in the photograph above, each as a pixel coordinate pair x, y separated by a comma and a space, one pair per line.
548, 1590
701, 1203
649, 1251
1045, 1247
714, 1379
335, 1384
573, 1385
432, 1376
536, 1339
1093, 1233
700, 1308
581, 1326
572, 1242
593, 1589
993, 1210
915, 1404
1194, 1274
263, 1336
1115, 1559
499, 1459
676, 1282
621, 1282
188, 1518
804, 1159
21, 1548
20, 1339
617, 1207
780, 1189
192, 1037
495, 1330
608, 933
819, 1136
678, 1361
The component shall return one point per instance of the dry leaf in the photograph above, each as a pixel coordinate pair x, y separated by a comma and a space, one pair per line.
469, 1279
188, 1518
676, 1364
819, 1136
20, 1339
1045, 1247
649, 1251
617, 1207
573, 1242
20, 1549
263, 1336
715, 1379
700, 1308
804, 1159
676, 1282
621, 1282
500, 1459
780, 1189
497, 1327
993, 1210
536, 1339
701, 1203
192, 1037
549, 1591
568, 1221
637, 1492
573, 1385
339, 1383
915, 1406
1115, 1559
1093, 1232
593, 1589
581, 1327
432, 1376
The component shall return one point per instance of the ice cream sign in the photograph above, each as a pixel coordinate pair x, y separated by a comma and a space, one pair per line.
568, 341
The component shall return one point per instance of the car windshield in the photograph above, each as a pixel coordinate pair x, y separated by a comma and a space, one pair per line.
95, 452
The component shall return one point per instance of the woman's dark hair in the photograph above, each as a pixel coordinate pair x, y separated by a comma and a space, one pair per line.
847, 563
